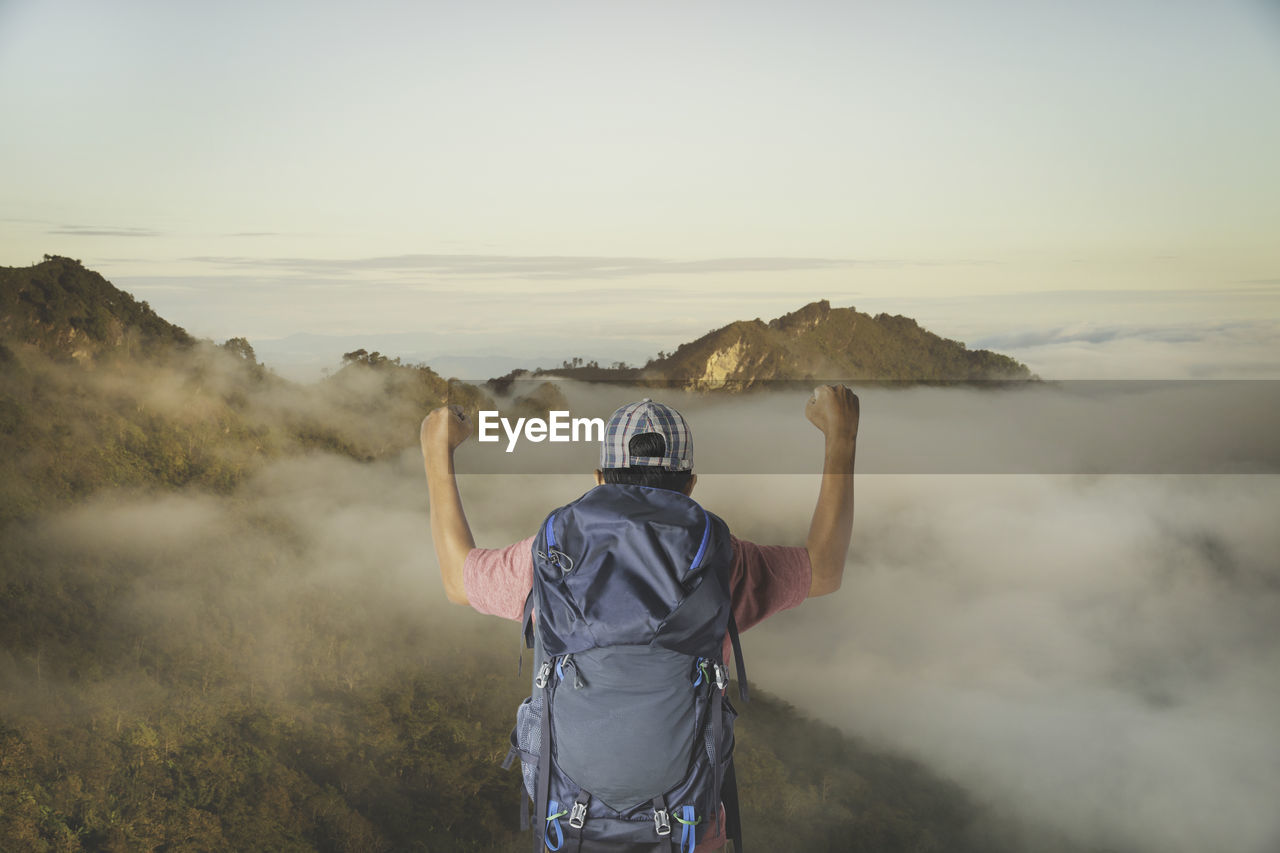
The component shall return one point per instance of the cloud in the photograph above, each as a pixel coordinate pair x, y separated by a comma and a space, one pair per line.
1261, 283
1101, 427
539, 267
1094, 657
1212, 350
1097, 656
1097, 334
99, 231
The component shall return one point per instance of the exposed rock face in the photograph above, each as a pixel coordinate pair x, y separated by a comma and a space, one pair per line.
818, 342
723, 364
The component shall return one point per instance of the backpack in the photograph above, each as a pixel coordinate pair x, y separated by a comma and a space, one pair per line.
626, 740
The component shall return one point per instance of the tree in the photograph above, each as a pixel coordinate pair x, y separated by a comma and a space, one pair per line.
242, 348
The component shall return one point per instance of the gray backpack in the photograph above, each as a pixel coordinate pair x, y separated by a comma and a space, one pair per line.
626, 741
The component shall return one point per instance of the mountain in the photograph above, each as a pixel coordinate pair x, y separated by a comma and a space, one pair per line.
819, 342
98, 391
815, 343
67, 310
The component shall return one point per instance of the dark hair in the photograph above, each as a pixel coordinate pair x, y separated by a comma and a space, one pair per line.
648, 444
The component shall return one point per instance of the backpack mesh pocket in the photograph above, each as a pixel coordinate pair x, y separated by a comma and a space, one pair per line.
528, 739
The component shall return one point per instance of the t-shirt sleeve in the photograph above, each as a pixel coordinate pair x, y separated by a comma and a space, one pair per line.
498, 580
766, 579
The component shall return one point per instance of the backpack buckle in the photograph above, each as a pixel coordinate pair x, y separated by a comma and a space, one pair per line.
661, 822
578, 815
560, 560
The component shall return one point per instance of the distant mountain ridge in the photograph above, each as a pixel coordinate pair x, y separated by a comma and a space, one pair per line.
67, 310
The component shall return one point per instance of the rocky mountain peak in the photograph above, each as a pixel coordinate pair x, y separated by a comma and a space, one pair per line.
803, 319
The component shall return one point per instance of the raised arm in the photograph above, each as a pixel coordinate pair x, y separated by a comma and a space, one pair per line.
834, 410
442, 431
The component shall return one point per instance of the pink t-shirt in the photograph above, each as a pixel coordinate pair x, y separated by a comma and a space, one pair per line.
764, 580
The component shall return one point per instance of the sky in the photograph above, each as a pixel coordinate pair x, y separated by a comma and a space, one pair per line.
1089, 187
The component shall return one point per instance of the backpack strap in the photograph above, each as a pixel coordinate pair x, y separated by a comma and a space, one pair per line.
732, 815
688, 821
737, 657
550, 537
716, 709
528, 619
542, 797
553, 827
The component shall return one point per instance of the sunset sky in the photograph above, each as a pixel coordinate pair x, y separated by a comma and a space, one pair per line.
1091, 187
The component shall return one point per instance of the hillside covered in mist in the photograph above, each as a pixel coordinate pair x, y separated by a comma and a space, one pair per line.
220, 625
96, 391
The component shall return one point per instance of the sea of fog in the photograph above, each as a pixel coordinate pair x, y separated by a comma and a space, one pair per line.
1064, 598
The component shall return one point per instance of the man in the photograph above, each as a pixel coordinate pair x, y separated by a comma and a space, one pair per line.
647, 443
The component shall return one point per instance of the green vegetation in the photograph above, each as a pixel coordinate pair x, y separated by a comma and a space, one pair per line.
67, 310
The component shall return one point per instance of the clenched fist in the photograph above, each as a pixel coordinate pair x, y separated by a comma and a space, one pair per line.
834, 410
444, 429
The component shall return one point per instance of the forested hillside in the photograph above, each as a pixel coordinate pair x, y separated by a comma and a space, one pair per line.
63, 308
219, 631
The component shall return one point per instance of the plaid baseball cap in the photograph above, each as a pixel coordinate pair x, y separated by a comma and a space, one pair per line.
637, 419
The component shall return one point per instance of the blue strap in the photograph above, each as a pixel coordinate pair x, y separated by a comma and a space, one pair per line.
701, 668
689, 834
553, 825
548, 532
706, 538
